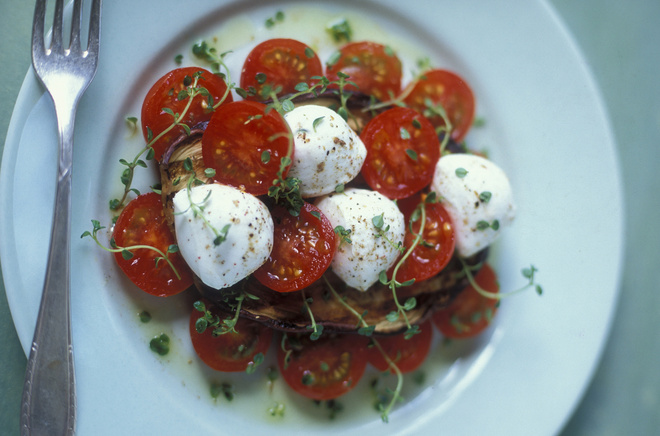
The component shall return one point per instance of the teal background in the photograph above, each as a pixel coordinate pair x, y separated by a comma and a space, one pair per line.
620, 41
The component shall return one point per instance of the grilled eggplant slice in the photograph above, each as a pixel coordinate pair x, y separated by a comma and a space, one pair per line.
174, 173
288, 312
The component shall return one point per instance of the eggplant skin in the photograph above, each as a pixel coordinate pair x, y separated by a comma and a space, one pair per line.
287, 312
173, 174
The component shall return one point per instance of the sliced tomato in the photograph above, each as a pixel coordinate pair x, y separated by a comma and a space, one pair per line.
442, 87
244, 143
436, 247
142, 223
233, 351
470, 312
277, 63
374, 68
164, 94
323, 369
407, 354
303, 248
402, 151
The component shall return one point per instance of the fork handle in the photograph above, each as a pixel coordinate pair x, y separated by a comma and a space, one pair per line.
48, 405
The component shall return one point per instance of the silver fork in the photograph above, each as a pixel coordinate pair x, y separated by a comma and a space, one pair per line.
49, 394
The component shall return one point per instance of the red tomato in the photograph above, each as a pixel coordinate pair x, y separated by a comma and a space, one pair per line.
449, 90
402, 151
279, 62
244, 144
164, 94
469, 313
374, 68
142, 223
303, 248
229, 352
323, 369
407, 354
435, 249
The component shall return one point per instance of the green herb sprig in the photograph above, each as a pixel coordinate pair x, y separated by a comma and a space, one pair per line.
192, 90
127, 252
367, 330
344, 235
225, 389
529, 273
393, 283
203, 51
277, 18
316, 329
198, 208
219, 326
340, 30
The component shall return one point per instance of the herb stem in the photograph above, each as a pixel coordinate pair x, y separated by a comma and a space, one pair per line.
128, 181
393, 283
198, 209
118, 249
317, 329
495, 295
399, 385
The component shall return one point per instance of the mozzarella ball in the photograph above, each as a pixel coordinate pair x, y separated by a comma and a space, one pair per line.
478, 197
328, 152
242, 218
359, 262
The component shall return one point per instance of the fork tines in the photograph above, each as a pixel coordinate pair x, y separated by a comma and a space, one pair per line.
57, 33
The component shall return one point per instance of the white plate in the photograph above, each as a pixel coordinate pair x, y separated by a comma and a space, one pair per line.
546, 126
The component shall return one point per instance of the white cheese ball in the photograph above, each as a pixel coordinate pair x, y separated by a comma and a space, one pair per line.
477, 195
360, 262
327, 151
249, 237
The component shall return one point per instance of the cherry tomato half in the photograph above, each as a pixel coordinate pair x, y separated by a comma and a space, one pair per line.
244, 144
373, 67
407, 354
402, 151
470, 312
436, 247
303, 248
142, 223
323, 369
164, 94
449, 90
233, 351
278, 62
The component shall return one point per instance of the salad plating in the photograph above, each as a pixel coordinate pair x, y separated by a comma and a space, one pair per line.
235, 184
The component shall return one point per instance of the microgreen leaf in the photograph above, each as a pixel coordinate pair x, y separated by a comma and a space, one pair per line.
392, 316
333, 59
340, 30
412, 154
382, 277
316, 122
160, 344
287, 106
257, 360
410, 303
461, 172
379, 221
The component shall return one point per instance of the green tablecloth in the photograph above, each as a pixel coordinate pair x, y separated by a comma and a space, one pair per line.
620, 41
